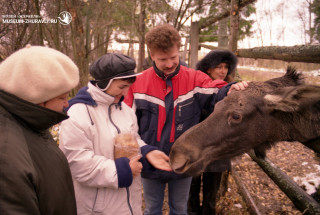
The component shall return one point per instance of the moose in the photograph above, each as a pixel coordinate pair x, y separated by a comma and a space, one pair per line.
280, 109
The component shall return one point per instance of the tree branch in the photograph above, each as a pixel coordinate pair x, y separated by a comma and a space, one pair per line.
205, 22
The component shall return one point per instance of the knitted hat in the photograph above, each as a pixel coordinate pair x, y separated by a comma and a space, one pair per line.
215, 57
38, 74
112, 66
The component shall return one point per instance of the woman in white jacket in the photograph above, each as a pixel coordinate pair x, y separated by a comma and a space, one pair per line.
103, 184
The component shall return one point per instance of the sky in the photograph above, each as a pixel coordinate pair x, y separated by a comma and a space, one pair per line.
277, 23
274, 17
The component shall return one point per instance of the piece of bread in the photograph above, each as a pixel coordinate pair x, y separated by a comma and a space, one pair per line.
126, 145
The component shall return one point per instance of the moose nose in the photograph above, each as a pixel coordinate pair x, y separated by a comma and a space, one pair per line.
177, 161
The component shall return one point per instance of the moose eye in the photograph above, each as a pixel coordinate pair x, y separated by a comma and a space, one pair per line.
234, 118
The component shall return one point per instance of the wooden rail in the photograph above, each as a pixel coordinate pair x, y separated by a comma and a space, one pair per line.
303, 201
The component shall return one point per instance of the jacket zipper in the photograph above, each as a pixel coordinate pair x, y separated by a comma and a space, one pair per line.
118, 130
109, 113
181, 106
95, 199
128, 200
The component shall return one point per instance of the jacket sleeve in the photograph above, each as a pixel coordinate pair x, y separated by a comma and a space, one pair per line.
86, 166
17, 174
218, 97
209, 90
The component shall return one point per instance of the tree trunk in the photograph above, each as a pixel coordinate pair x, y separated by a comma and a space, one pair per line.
40, 32
132, 32
310, 22
185, 50
194, 44
142, 29
223, 33
78, 44
56, 37
301, 53
107, 40
234, 25
298, 196
223, 26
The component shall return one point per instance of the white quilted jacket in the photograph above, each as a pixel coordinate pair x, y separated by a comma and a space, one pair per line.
87, 140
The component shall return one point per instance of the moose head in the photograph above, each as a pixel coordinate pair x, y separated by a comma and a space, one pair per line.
280, 109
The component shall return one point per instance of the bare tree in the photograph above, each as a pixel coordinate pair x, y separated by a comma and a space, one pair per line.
301, 16
15, 36
259, 35
40, 31
142, 29
310, 31
269, 17
281, 8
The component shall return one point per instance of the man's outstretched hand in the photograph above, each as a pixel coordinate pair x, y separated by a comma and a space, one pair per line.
159, 160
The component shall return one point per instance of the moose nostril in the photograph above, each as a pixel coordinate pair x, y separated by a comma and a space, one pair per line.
177, 161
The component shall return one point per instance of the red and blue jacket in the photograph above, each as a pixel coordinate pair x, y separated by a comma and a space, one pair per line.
166, 106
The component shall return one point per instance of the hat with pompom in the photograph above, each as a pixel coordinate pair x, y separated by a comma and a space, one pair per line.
38, 74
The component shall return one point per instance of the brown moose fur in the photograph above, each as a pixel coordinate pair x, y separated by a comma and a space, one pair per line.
280, 109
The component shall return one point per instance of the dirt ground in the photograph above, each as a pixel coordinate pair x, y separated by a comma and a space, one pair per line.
293, 158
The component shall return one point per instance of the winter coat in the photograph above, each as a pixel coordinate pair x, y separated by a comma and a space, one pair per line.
34, 174
166, 106
102, 185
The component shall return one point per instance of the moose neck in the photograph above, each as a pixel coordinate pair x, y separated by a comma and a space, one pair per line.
297, 127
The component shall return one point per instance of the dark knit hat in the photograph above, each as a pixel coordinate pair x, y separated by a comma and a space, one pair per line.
215, 57
112, 66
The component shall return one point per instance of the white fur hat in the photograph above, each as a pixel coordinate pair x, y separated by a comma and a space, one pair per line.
38, 74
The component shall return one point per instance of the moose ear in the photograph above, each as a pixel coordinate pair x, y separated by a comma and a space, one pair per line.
290, 99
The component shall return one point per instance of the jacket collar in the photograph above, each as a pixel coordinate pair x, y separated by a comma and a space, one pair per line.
92, 95
82, 97
99, 96
32, 116
162, 75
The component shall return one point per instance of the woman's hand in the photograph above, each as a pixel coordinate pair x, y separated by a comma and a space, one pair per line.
159, 160
135, 165
238, 86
